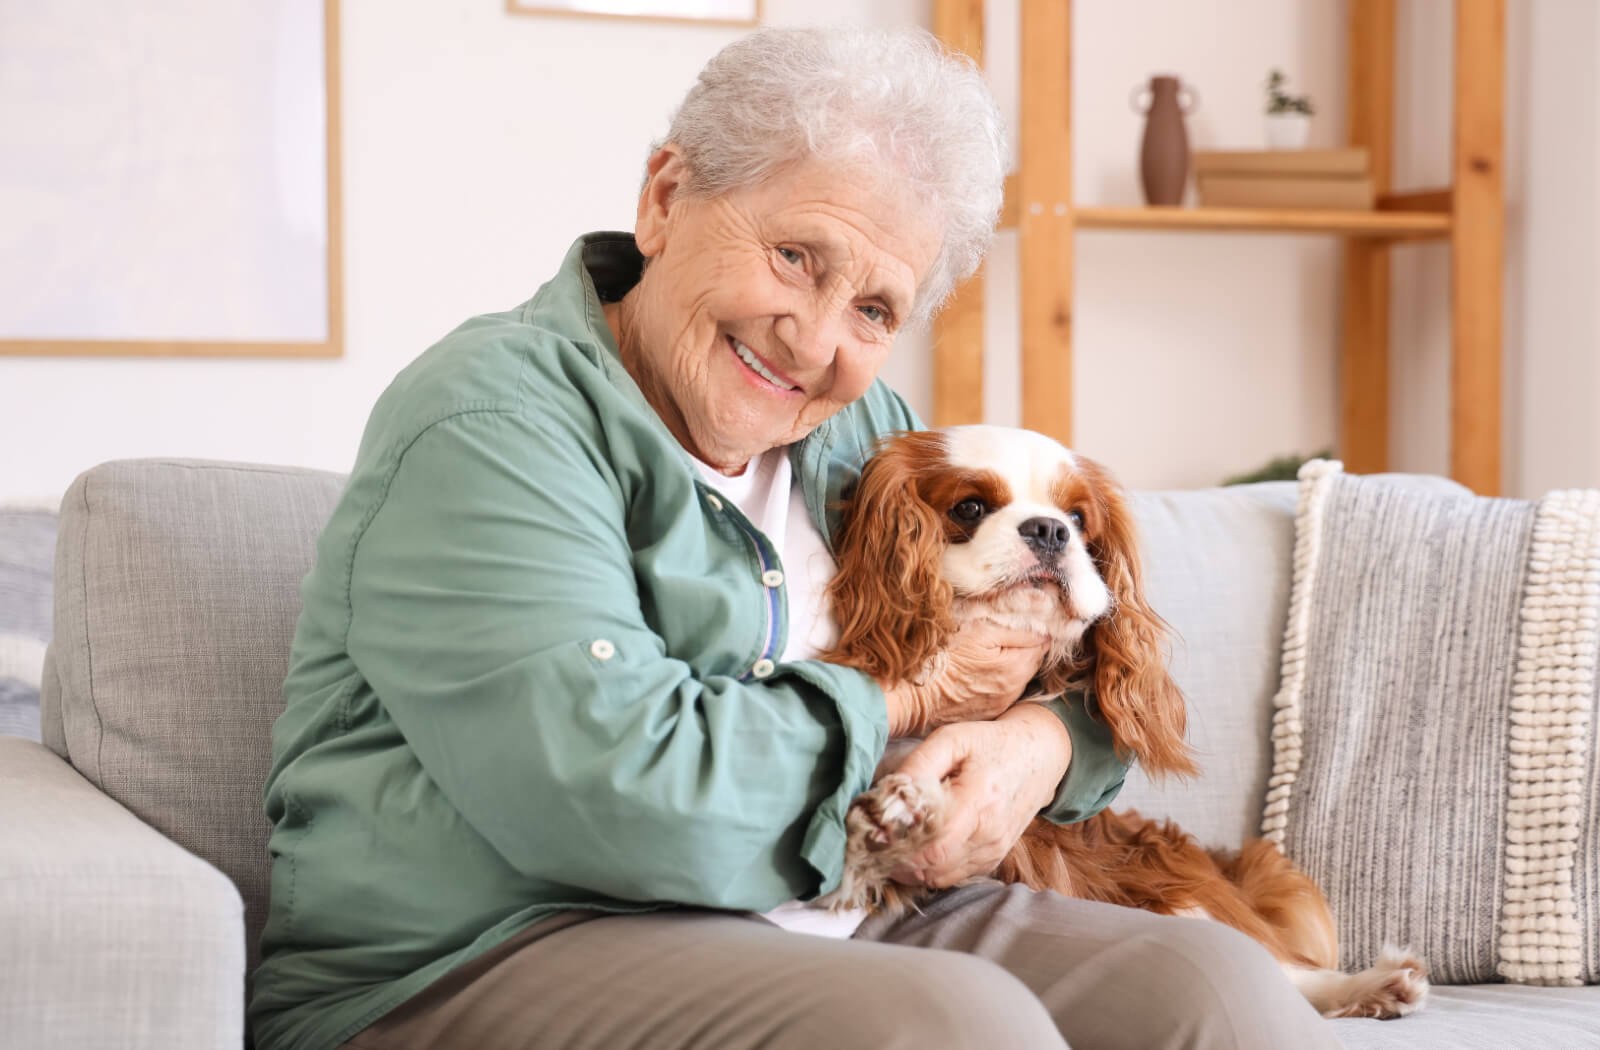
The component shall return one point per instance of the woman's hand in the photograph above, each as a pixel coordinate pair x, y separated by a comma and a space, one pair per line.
981, 674
999, 775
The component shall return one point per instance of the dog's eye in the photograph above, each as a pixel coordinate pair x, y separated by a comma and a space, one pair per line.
1076, 517
968, 511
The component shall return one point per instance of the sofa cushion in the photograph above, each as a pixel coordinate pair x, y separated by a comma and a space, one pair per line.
1435, 759
1216, 569
27, 551
175, 611
1486, 1017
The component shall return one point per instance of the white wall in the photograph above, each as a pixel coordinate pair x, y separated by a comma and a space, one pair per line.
1552, 179
478, 144
1554, 263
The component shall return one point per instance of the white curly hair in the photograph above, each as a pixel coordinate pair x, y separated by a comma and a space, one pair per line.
892, 100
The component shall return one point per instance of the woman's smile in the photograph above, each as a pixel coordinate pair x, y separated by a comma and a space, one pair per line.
763, 375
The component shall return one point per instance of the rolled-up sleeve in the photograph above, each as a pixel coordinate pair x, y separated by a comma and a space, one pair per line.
1095, 774
495, 612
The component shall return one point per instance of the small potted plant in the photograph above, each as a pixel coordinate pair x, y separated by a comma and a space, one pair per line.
1288, 116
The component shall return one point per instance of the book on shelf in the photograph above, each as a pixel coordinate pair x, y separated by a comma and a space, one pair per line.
1350, 161
1344, 193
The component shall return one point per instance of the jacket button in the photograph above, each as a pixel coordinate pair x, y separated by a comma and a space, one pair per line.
601, 649
716, 504
763, 668
772, 578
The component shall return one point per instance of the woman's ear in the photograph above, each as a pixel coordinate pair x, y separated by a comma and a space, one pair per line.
664, 175
1133, 689
889, 598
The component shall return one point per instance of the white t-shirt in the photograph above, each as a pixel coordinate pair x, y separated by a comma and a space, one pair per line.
767, 494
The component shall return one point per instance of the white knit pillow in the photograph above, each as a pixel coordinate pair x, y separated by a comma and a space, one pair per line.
1435, 763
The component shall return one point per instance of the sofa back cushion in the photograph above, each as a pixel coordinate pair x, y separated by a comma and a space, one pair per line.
177, 591
1216, 567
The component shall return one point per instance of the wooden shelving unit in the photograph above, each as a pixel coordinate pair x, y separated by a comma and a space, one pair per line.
1469, 215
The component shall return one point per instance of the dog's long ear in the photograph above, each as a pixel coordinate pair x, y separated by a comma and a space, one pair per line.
1135, 692
889, 598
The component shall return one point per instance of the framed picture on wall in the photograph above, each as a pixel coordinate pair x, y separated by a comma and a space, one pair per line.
169, 178
704, 12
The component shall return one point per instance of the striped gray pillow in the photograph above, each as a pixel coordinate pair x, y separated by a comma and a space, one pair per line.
1435, 767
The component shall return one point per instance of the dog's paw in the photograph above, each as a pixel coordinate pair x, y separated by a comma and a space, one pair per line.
1394, 986
896, 811
886, 826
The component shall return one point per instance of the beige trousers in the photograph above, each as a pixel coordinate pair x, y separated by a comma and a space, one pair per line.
983, 966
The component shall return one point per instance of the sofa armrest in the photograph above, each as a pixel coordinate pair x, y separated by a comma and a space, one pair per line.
113, 934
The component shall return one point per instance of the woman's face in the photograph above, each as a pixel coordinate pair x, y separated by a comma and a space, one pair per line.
766, 310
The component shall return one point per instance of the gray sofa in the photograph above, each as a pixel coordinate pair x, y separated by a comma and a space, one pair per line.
133, 856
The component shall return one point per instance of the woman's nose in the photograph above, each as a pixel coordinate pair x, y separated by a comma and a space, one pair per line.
812, 338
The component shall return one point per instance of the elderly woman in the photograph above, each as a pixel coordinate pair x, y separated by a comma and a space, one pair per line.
557, 767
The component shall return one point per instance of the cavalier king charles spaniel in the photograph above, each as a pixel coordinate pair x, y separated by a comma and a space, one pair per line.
1007, 524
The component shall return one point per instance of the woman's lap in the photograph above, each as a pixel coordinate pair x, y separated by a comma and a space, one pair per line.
713, 980
1116, 978
984, 965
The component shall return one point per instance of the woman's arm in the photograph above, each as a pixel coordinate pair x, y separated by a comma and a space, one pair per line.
496, 614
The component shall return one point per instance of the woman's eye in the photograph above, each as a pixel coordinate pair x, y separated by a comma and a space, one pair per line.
790, 256
1076, 517
875, 314
968, 511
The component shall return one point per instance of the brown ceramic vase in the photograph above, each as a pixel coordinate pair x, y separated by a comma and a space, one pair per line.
1164, 153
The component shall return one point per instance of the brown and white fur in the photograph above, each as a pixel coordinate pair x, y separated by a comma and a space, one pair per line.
1007, 524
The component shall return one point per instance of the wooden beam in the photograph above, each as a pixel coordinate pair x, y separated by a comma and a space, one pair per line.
959, 24
958, 329
1364, 356
1478, 252
1387, 225
1442, 200
1044, 185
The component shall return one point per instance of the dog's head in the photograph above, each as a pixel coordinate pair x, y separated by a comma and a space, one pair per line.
1004, 523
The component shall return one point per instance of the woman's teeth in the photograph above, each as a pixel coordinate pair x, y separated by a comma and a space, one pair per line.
757, 367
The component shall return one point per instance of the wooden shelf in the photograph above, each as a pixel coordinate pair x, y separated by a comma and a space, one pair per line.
1468, 214
1382, 225
1398, 216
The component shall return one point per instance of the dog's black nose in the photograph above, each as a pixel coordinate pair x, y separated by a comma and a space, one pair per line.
1045, 536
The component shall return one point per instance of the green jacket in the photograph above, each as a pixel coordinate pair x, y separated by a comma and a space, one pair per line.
535, 671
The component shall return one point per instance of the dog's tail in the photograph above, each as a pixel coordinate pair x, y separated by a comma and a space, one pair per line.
1301, 925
